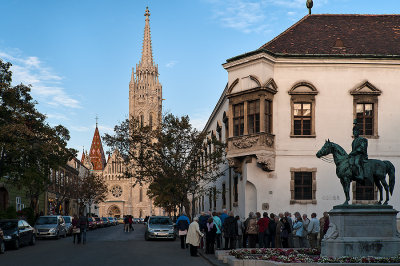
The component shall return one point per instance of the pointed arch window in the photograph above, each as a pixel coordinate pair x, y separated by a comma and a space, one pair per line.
141, 120
140, 194
151, 120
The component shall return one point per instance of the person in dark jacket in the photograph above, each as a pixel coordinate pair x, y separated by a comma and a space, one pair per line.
203, 221
285, 231
182, 224
230, 231
272, 230
75, 229
211, 233
83, 225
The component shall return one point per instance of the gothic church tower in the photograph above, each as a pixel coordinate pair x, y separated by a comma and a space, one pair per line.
145, 90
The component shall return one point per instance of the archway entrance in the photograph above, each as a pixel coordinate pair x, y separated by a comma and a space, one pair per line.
3, 199
114, 211
251, 198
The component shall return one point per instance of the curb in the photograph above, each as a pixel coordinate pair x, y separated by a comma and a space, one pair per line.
207, 259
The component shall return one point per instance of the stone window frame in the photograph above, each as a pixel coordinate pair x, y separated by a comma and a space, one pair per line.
355, 201
303, 97
314, 185
367, 93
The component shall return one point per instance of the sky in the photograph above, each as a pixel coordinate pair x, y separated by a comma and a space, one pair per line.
78, 55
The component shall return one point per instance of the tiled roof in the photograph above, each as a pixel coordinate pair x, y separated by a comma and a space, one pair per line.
376, 35
96, 153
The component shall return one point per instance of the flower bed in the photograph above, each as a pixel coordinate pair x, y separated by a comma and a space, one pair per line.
303, 256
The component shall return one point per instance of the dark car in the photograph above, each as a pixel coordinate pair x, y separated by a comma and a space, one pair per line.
92, 223
2, 245
17, 233
99, 222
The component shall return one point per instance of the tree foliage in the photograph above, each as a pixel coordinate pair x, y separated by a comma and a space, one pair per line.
176, 160
92, 190
29, 146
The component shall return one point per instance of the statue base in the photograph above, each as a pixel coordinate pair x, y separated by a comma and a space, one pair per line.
360, 231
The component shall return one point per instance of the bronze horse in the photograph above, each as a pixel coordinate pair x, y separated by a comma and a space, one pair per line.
378, 168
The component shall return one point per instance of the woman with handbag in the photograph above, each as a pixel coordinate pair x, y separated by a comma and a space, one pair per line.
252, 231
76, 229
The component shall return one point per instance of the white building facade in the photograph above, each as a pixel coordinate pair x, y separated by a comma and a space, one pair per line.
285, 99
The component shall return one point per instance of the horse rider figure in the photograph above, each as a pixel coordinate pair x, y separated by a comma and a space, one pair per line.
358, 156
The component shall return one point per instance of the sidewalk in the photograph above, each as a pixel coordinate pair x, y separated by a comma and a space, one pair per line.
211, 258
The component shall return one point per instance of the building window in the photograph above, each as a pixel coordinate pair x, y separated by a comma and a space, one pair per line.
268, 116
151, 121
365, 118
253, 116
238, 119
226, 123
18, 203
223, 195
302, 119
303, 109
235, 189
141, 120
140, 194
303, 185
365, 108
210, 199
215, 197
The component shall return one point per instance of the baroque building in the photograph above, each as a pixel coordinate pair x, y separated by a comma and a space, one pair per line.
145, 105
283, 100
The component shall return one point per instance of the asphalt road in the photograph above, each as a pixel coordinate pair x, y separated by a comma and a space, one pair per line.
106, 246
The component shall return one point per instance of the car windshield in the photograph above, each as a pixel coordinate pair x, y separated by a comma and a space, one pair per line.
104, 219
46, 220
160, 220
67, 219
8, 225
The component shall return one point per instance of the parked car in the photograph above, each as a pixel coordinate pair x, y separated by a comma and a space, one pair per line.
92, 223
68, 224
159, 227
99, 222
113, 220
141, 220
106, 222
120, 220
2, 244
50, 226
136, 220
17, 233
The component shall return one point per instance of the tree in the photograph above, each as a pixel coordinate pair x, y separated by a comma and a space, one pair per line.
29, 146
175, 159
92, 190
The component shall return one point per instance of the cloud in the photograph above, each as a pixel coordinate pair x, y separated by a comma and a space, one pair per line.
79, 128
105, 129
291, 13
46, 85
57, 116
171, 63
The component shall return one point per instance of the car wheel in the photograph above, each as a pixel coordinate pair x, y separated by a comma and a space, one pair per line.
33, 240
16, 244
2, 248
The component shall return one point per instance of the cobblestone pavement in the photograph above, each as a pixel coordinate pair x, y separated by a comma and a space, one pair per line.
106, 246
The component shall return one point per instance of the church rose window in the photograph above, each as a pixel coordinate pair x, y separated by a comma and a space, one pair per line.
116, 191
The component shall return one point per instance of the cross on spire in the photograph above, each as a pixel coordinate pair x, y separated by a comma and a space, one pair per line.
97, 118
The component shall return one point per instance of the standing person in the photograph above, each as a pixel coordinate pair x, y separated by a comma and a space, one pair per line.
239, 232
193, 237
230, 231
126, 224
218, 225
211, 232
203, 221
298, 235
285, 231
223, 216
325, 226
278, 222
263, 231
288, 216
245, 225
83, 224
272, 230
76, 232
252, 230
306, 223
130, 219
182, 225
313, 230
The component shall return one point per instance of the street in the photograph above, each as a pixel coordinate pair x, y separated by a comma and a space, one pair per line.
106, 246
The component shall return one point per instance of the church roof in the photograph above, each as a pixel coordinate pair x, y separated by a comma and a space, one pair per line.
343, 35
96, 153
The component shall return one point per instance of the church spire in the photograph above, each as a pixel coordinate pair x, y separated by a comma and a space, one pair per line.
147, 53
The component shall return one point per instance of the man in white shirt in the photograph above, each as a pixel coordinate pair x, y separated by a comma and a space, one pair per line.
313, 230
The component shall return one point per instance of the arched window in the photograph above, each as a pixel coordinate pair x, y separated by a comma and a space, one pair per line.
141, 120
151, 120
140, 194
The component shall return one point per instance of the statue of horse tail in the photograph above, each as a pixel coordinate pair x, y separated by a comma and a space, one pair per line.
390, 171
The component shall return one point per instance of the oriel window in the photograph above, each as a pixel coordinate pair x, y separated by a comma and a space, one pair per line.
253, 116
302, 118
238, 119
365, 118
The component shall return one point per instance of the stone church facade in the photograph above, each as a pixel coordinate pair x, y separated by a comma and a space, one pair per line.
283, 100
145, 105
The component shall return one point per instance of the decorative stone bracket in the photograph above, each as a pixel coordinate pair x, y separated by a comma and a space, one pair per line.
245, 142
236, 164
266, 161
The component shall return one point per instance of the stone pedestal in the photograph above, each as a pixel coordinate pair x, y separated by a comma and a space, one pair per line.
361, 230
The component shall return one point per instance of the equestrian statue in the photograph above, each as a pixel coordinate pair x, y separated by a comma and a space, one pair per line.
357, 167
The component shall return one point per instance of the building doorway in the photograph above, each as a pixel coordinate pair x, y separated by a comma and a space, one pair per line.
3, 199
114, 211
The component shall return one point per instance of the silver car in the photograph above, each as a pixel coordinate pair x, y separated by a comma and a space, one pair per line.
158, 227
50, 226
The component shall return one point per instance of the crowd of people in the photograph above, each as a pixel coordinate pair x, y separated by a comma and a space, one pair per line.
224, 230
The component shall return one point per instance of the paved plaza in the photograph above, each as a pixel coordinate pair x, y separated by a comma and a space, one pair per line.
107, 246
